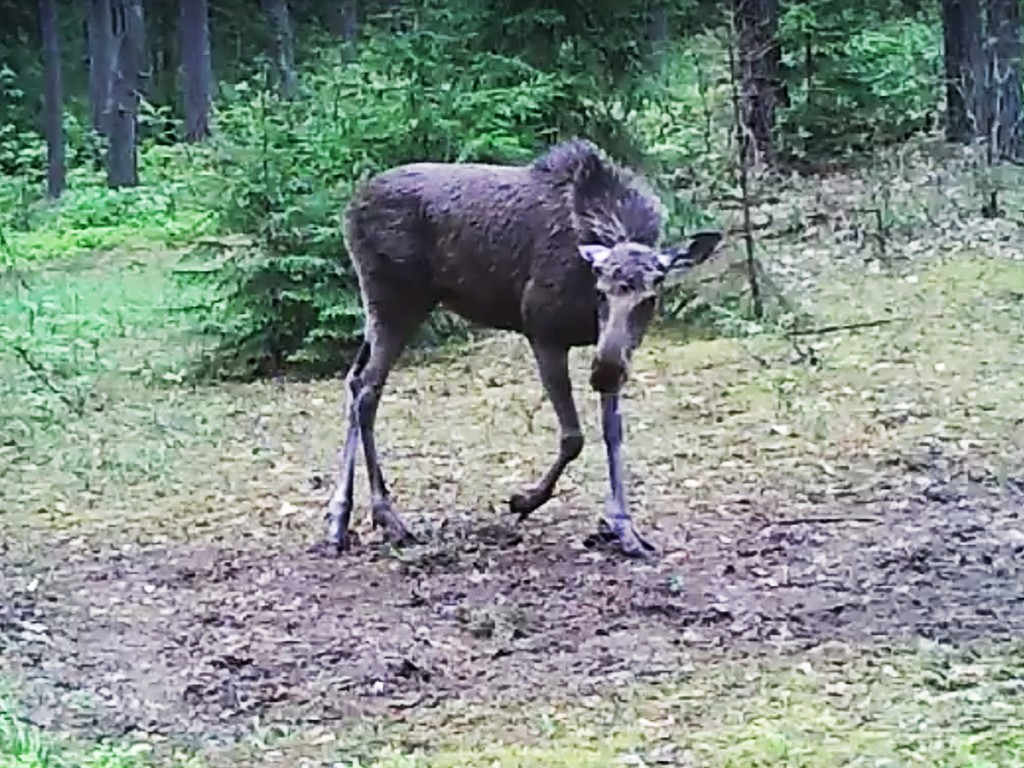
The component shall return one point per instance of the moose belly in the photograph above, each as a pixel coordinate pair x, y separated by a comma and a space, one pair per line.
485, 307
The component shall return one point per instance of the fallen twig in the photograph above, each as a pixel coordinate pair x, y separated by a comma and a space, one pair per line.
820, 330
821, 520
75, 404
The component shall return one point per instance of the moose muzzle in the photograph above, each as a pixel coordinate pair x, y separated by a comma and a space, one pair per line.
609, 368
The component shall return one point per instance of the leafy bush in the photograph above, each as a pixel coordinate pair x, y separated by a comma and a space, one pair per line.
855, 81
169, 208
287, 168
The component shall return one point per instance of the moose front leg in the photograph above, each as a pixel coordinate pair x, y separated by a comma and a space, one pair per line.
553, 367
618, 525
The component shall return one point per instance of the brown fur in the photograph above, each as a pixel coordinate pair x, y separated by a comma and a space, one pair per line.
496, 244
501, 246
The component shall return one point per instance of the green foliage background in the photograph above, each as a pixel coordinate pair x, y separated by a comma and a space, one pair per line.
478, 80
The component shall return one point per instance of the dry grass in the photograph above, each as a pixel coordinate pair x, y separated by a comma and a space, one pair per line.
707, 422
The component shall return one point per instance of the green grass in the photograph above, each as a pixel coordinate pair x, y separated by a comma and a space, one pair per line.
25, 746
707, 413
835, 706
168, 208
73, 323
89, 348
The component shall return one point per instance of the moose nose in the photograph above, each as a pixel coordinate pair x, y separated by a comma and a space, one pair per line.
607, 376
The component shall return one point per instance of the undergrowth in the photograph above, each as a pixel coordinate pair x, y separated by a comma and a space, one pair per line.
171, 208
23, 745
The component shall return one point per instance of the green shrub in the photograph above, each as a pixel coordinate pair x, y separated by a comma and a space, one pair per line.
287, 168
168, 208
856, 81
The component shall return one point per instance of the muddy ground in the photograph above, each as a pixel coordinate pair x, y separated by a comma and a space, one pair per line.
193, 642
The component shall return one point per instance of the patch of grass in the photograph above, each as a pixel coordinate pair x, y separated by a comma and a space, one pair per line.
22, 746
707, 421
25, 746
946, 370
836, 705
72, 323
89, 346
929, 706
167, 209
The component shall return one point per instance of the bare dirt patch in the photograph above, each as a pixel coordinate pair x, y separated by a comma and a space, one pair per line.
193, 642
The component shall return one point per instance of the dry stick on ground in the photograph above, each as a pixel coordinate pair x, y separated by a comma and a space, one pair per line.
823, 329
76, 404
809, 355
821, 520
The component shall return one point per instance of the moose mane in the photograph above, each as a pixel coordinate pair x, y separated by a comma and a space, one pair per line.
607, 204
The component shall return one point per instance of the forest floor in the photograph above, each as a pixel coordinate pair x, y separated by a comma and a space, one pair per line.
841, 579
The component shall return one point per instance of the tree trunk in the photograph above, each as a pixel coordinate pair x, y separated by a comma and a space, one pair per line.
101, 61
1004, 57
129, 33
967, 105
342, 19
195, 68
53, 100
757, 23
162, 19
657, 33
282, 46
393, 10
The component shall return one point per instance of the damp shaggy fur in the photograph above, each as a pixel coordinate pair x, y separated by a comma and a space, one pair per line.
496, 244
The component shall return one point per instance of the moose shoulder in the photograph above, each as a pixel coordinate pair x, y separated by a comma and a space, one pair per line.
564, 250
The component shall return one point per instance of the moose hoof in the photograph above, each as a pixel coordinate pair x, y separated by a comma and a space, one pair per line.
524, 503
395, 530
621, 535
335, 545
339, 538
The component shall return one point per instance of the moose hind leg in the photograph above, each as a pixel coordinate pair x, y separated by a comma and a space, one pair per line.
553, 366
339, 509
385, 349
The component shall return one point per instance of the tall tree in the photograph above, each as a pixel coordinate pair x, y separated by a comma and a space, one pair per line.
657, 31
101, 62
756, 27
53, 98
1004, 58
341, 17
982, 66
162, 20
129, 37
282, 46
966, 105
195, 68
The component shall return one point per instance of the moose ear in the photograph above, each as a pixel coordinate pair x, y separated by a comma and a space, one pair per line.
594, 255
681, 258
